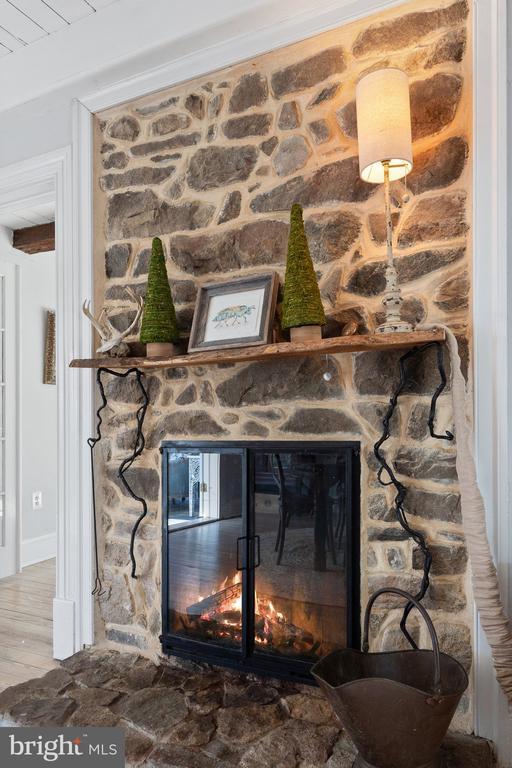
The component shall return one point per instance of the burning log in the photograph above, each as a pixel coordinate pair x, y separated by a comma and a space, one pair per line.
283, 636
218, 617
214, 603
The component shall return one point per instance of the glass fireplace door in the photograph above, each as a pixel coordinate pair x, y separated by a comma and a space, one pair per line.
204, 492
260, 552
301, 521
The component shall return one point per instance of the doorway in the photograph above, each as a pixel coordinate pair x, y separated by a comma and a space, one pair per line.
28, 450
44, 179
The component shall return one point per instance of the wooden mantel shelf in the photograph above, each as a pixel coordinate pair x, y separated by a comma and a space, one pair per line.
374, 342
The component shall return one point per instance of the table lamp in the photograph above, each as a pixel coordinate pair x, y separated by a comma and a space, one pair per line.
385, 155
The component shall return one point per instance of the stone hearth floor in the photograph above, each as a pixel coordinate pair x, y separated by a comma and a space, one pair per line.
188, 716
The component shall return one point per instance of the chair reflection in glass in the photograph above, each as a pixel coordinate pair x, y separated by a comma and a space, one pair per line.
315, 489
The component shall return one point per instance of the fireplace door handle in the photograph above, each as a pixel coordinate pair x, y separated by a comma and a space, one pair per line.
239, 566
257, 558
254, 553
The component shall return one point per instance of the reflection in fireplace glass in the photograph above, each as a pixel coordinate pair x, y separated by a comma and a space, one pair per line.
291, 548
205, 520
300, 518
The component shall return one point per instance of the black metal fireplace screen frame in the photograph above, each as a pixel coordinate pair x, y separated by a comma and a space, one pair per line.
245, 658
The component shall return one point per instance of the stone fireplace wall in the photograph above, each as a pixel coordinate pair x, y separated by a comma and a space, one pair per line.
213, 166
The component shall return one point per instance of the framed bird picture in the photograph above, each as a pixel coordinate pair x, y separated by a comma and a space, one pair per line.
238, 313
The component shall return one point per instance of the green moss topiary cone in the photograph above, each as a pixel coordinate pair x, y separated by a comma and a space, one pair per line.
302, 304
159, 324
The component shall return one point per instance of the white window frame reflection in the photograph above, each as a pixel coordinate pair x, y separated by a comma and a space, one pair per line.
204, 471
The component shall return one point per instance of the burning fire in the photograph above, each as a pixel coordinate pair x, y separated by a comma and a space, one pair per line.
266, 611
220, 613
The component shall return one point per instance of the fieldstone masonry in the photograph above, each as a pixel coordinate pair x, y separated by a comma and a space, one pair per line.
186, 716
213, 166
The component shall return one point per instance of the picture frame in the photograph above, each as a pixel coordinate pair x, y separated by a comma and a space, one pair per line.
49, 376
236, 313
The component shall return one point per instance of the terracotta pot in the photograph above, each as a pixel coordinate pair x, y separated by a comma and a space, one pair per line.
159, 350
306, 333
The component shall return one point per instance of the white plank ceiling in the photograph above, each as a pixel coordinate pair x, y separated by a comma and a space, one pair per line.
28, 217
22, 22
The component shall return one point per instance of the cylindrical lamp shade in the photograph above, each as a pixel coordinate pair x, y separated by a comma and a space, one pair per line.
384, 125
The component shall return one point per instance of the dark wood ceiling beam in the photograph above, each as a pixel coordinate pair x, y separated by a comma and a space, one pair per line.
36, 239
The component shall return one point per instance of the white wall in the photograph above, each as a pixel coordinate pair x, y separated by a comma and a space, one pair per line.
38, 408
38, 402
35, 128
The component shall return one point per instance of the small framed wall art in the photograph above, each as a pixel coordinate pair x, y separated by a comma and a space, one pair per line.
238, 313
49, 349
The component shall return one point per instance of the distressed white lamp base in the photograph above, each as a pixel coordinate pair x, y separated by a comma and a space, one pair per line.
401, 327
392, 302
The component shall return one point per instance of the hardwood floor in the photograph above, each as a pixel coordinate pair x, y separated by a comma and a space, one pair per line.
26, 624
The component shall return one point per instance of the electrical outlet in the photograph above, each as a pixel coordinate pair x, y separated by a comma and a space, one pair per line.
37, 500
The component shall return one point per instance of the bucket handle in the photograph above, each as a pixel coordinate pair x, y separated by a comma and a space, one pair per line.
426, 617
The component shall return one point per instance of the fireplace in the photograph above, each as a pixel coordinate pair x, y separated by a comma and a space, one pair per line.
260, 552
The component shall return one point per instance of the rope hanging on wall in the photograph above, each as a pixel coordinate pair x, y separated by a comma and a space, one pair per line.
123, 467
401, 490
496, 624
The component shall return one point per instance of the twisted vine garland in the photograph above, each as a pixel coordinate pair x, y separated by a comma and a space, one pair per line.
125, 465
139, 445
401, 490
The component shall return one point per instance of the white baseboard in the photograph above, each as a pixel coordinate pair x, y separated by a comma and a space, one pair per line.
38, 549
63, 628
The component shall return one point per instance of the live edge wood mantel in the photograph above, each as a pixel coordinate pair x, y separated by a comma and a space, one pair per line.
375, 342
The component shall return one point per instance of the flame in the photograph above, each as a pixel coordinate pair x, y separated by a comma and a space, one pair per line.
267, 615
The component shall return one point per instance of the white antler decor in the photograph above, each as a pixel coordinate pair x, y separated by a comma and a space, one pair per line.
112, 339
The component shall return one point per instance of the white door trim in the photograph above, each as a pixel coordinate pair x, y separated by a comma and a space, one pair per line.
492, 336
492, 340
83, 253
9, 549
47, 176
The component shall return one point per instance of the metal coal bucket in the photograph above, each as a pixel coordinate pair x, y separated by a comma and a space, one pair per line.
395, 706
